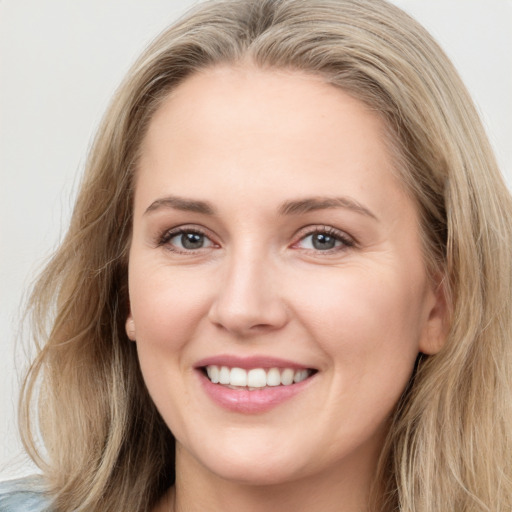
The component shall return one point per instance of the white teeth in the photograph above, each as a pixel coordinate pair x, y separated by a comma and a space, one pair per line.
224, 375
273, 377
287, 376
300, 376
238, 377
213, 373
256, 378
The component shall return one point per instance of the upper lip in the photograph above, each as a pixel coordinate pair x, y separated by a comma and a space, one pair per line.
250, 362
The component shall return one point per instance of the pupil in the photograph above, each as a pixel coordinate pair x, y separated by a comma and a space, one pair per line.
192, 240
323, 242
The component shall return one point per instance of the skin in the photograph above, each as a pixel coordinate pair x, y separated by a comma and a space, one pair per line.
246, 141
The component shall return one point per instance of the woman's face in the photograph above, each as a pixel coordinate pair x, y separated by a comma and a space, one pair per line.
272, 242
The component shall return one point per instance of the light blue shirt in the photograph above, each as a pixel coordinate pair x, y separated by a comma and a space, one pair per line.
23, 495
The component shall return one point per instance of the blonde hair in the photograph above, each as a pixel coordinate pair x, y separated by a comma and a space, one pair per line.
105, 446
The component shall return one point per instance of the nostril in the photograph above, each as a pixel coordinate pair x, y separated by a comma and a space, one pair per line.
249, 320
261, 327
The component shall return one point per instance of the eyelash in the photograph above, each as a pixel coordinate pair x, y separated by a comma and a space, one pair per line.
167, 236
339, 236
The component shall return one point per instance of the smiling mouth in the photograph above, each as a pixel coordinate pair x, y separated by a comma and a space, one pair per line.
255, 378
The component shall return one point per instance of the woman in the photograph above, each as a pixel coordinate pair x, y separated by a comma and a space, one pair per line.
286, 282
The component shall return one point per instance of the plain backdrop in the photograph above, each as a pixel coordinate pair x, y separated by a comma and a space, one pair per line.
61, 61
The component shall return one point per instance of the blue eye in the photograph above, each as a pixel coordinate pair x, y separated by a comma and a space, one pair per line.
322, 242
186, 240
325, 240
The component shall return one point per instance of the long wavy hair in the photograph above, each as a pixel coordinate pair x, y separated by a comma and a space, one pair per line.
98, 438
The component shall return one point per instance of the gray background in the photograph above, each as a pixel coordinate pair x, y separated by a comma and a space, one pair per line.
60, 62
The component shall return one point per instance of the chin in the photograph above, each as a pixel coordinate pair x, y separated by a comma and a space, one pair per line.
253, 462
256, 472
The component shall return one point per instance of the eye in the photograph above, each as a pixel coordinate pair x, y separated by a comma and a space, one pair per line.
325, 239
185, 240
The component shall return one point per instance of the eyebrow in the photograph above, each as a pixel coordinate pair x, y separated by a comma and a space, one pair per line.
293, 207
310, 204
183, 204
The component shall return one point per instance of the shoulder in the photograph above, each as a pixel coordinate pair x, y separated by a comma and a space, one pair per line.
23, 495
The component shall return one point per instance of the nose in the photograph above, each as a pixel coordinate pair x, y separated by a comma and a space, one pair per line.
248, 300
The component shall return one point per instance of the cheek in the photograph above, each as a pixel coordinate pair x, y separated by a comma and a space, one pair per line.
166, 306
369, 323
166, 312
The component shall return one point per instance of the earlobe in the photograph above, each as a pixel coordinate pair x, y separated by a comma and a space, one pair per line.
438, 321
130, 327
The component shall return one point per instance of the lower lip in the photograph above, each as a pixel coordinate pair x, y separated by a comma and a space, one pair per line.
251, 402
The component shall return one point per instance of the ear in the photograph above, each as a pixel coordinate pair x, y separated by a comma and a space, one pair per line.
130, 327
438, 321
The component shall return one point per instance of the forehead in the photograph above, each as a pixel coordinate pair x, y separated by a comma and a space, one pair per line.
254, 130
273, 100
